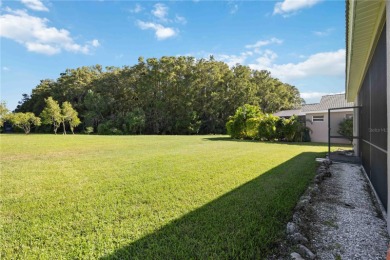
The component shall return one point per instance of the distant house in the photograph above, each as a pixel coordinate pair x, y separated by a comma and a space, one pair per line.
316, 117
368, 86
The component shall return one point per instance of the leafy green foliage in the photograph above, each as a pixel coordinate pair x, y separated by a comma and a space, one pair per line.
51, 114
346, 128
170, 95
291, 128
70, 116
56, 115
237, 126
249, 123
267, 128
24, 121
147, 197
89, 130
135, 121
108, 128
3, 113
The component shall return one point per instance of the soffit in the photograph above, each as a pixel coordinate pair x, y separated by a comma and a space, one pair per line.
365, 20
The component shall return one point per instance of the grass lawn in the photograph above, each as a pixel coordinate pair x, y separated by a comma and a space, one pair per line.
147, 197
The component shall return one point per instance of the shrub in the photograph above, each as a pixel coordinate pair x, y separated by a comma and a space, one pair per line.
252, 128
135, 121
267, 127
291, 128
89, 130
346, 128
108, 128
237, 124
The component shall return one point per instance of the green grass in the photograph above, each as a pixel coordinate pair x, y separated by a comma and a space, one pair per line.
147, 197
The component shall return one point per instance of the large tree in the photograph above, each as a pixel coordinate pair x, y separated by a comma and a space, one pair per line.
170, 95
70, 116
51, 114
24, 120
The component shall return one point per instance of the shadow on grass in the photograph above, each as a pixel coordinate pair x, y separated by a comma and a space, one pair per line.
228, 139
246, 222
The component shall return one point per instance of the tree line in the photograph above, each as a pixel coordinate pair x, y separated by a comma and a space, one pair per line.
52, 115
170, 95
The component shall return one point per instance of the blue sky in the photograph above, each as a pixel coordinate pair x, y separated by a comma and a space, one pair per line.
302, 42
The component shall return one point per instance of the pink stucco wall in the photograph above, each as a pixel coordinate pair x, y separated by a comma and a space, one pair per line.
320, 129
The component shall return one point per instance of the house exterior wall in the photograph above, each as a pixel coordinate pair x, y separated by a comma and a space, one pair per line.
372, 97
319, 131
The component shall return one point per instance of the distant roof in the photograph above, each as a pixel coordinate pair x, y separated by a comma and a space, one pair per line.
288, 113
328, 101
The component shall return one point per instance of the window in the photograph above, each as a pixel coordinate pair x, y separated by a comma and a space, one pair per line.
349, 116
318, 118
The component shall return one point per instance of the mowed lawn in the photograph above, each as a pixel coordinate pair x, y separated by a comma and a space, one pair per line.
147, 197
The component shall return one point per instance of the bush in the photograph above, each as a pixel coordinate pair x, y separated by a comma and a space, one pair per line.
135, 121
237, 124
267, 128
249, 123
252, 128
107, 128
346, 128
291, 128
89, 130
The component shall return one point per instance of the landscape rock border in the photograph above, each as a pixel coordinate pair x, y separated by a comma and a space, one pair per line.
338, 211
294, 229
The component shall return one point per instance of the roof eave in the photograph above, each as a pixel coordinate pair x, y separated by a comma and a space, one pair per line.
361, 43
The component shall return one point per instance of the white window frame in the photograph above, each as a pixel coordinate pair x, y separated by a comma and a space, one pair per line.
318, 118
349, 116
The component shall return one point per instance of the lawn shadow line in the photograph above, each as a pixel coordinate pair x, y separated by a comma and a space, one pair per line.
247, 222
228, 139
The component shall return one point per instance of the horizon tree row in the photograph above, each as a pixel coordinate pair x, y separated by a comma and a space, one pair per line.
170, 95
52, 114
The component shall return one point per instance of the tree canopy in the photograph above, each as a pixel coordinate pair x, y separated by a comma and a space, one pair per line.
24, 120
170, 95
51, 114
3, 113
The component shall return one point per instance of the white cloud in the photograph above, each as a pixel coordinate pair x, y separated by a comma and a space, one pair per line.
5, 68
323, 33
233, 8
291, 6
266, 59
161, 32
35, 5
231, 60
312, 97
160, 11
180, 19
119, 56
42, 48
95, 43
319, 64
137, 8
260, 44
35, 34
247, 53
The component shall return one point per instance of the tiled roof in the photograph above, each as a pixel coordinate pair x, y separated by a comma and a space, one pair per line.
328, 101
288, 113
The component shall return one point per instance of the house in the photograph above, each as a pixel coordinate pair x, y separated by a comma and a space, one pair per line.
367, 85
316, 117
